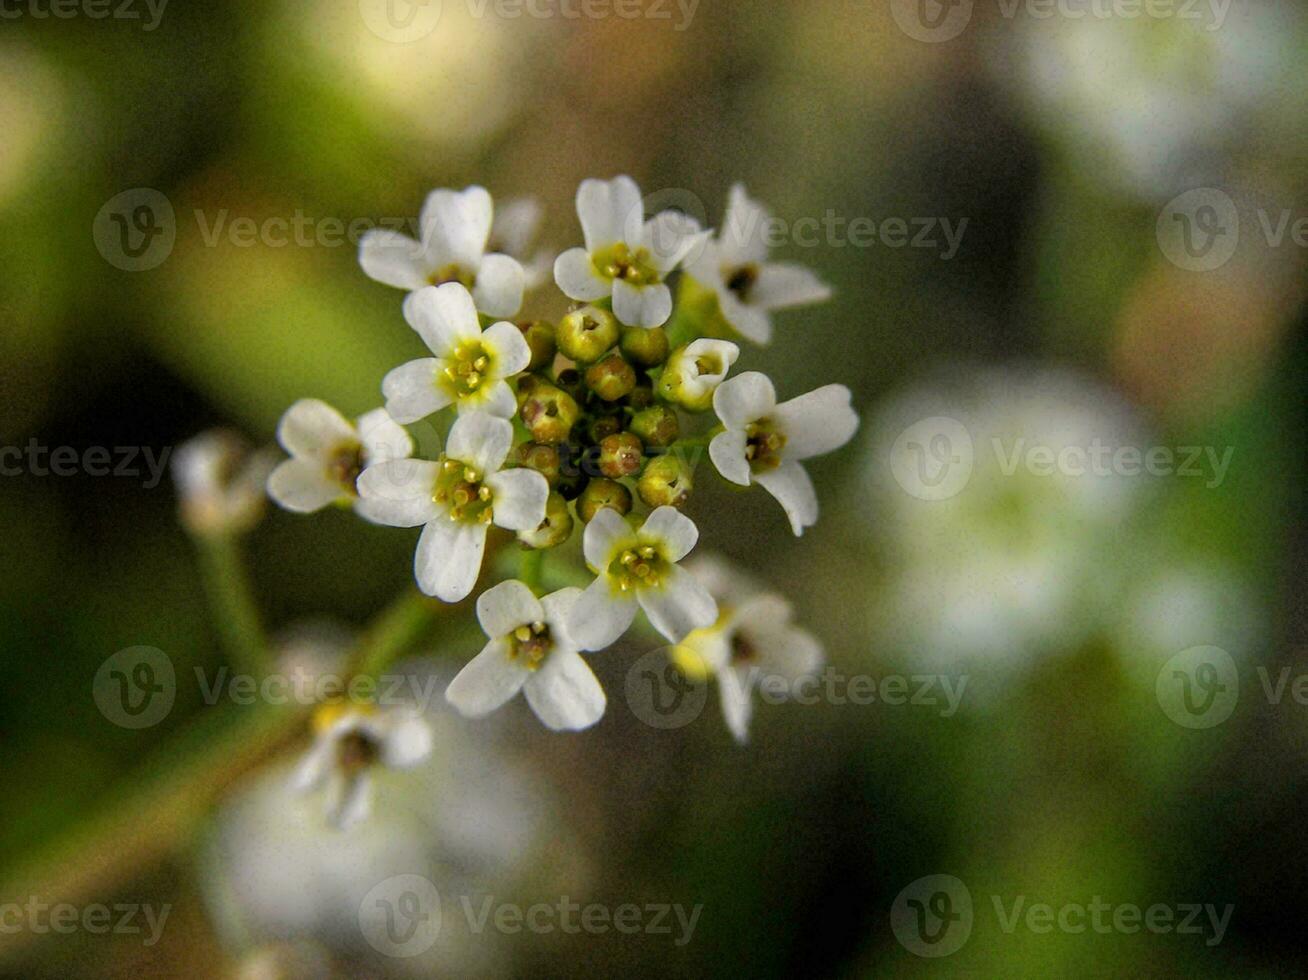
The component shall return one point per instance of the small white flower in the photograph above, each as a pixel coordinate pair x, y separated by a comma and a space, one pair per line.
529, 650
693, 373
752, 642
457, 498
765, 442
749, 287
328, 453
514, 230
470, 367
456, 227
625, 256
639, 567
220, 482
349, 739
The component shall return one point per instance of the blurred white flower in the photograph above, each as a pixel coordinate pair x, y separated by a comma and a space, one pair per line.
513, 232
220, 482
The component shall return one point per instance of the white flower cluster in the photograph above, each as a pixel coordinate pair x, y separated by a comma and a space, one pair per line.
579, 417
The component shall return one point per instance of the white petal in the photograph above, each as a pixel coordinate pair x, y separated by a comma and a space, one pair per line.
412, 392
350, 801
790, 484
509, 348
727, 450
789, 654
742, 239
749, 321
383, 438
445, 316
303, 486
673, 237
315, 767
408, 741
575, 275
564, 693
486, 681
703, 364
399, 492
744, 399
505, 607
312, 428
519, 498
610, 211
601, 536
817, 422
448, 559
600, 615
679, 606
641, 306
515, 224
737, 707
456, 225
673, 530
781, 285
558, 609
480, 440
499, 286
394, 259
495, 399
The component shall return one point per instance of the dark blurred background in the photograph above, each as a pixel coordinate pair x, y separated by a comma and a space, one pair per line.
1064, 142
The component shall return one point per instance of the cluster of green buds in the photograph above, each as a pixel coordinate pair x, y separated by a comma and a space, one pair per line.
608, 410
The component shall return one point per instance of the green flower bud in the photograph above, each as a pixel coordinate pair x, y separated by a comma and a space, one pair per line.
549, 414
656, 426
543, 459
539, 335
620, 455
645, 347
587, 333
603, 426
526, 384
554, 530
603, 493
694, 372
642, 396
611, 378
667, 480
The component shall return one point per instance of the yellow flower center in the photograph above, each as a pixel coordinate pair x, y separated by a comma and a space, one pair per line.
466, 371
530, 644
344, 464
459, 489
741, 280
764, 442
453, 273
638, 567
620, 262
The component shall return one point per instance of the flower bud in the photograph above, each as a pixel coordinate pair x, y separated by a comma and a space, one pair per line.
667, 480
694, 372
220, 482
645, 347
549, 413
611, 378
620, 455
526, 384
603, 426
543, 459
539, 335
603, 493
656, 426
555, 529
642, 396
587, 333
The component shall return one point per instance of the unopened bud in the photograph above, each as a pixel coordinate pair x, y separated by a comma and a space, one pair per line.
585, 334
549, 414
656, 426
555, 529
667, 481
543, 459
612, 378
539, 335
620, 455
645, 347
603, 493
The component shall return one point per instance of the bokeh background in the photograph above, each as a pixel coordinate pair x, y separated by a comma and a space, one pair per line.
1068, 312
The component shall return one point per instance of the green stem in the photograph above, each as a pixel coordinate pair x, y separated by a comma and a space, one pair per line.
394, 633
531, 568
700, 441
233, 603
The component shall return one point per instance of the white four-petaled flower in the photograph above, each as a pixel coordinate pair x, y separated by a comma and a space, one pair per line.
456, 498
349, 739
328, 453
639, 567
471, 366
529, 650
625, 256
455, 228
765, 442
735, 265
